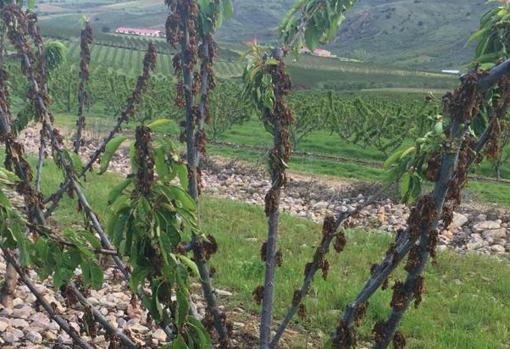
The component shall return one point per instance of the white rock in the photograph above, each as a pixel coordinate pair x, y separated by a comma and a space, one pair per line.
498, 248
486, 225
17, 302
34, 337
23, 312
494, 234
223, 293
458, 220
12, 335
121, 322
3, 325
159, 335
138, 328
19, 323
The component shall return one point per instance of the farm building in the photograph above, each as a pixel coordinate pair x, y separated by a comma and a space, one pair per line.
318, 52
139, 31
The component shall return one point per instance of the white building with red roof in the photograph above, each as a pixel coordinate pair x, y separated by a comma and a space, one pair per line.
318, 52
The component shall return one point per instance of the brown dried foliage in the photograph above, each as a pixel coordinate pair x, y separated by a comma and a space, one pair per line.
422, 215
209, 246
329, 226
302, 311
263, 252
399, 341
414, 258
145, 160
464, 103
398, 300
497, 123
279, 258
324, 265
296, 298
345, 337
280, 117
359, 313
340, 242
418, 290
432, 243
433, 166
149, 63
258, 294
379, 331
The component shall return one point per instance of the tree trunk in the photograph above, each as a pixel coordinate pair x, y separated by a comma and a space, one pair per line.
268, 295
7, 293
11, 277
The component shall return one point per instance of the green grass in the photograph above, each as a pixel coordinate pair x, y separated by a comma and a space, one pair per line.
464, 306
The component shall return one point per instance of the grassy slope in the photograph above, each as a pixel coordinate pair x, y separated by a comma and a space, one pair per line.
464, 306
383, 31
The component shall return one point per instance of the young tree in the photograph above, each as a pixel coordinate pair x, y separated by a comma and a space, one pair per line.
190, 28
85, 42
267, 85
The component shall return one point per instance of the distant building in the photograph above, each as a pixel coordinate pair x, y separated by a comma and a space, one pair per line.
450, 71
139, 31
319, 52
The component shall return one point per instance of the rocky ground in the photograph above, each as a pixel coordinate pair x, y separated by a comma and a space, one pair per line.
476, 229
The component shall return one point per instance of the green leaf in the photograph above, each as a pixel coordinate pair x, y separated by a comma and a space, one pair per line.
312, 37
228, 9
162, 167
201, 333
137, 278
176, 193
159, 123
118, 190
92, 274
182, 306
393, 159
405, 185
178, 343
110, 150
408, 151
189, 263
182, 173
4, 201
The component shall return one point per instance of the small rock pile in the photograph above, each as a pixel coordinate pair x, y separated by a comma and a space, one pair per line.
474, 228
26, 325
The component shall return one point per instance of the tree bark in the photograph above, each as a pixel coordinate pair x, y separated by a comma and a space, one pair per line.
192, 132
10, 279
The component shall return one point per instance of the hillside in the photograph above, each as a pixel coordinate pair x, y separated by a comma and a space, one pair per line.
414, 33
411, 33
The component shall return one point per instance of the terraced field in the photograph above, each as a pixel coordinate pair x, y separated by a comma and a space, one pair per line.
129, 61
